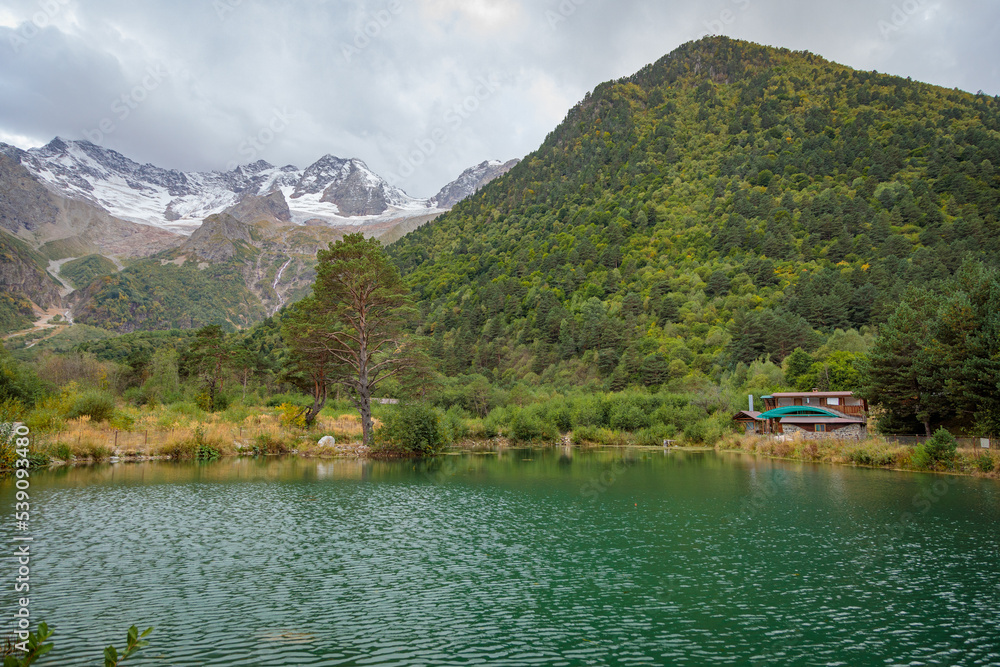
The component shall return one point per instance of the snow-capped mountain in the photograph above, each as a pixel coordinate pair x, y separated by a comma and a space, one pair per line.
470, 182
339, 192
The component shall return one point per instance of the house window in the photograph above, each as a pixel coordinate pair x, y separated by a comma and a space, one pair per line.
821, 428
833, 401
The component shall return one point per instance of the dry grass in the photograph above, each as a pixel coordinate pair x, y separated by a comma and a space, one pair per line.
873, 451
146, 436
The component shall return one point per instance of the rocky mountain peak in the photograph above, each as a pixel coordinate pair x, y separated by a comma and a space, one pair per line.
471, 181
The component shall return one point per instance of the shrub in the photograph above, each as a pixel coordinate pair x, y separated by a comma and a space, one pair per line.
454, 424
122, 420
920, 459
413, 428
45, 418
62, 451
984, 462
589, 411
98, 405
942, 447
872, 455
528, 425
654, 435
96, 452
206, 453
561, 417
629, 416
292, 415
38, 459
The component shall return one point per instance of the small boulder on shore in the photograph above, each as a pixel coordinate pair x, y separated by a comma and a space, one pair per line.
327, 441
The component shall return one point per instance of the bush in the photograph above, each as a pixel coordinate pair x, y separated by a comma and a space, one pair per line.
122, 420
98, 405
527, 425
561, 417
293, 416
454, 424
62, 451
942, 447
872, 455
629, 416
984, 462
206, 453
413, 428
920, 459
45, 418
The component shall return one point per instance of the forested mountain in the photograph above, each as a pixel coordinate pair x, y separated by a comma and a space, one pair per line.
727, 202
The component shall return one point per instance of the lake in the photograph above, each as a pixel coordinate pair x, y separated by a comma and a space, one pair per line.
523, 557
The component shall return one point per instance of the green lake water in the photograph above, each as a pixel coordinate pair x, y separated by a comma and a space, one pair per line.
545, 557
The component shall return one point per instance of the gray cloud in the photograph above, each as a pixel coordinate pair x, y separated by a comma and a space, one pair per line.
420, 89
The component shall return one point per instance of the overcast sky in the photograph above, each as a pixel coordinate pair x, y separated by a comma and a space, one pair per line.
419, 89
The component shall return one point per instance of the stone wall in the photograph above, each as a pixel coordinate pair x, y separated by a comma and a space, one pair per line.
852, 432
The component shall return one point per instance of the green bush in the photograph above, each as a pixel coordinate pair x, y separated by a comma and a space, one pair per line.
98, 405
206, 453
38, 459
920, 459
45, 419
454, 424
413, 428
942, 447
265, 444
629, 416
589, 411
527, 425
561, 416
62, 451
869, 455
984, 462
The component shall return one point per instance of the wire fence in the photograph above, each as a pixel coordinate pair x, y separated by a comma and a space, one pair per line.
964, 443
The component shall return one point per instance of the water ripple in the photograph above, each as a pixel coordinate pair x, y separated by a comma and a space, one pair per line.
496, 561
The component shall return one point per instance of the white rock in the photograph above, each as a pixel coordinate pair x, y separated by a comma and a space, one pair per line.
327, 441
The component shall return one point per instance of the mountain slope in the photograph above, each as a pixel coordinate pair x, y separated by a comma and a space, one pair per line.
727, 202
24, 283
227, 272
471, 181
64, 227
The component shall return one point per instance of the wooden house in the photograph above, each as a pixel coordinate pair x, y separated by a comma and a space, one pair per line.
811, 414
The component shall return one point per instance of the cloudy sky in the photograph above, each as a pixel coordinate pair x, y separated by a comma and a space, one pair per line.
419, 89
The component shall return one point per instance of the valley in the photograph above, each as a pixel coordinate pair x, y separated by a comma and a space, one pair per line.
82, 207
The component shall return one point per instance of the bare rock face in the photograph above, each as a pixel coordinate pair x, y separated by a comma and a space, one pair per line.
21, 274
357, 194
25, 204
471, 181
218, 238
254, 208
33, 212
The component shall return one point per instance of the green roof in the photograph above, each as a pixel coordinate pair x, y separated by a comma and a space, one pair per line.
797, 411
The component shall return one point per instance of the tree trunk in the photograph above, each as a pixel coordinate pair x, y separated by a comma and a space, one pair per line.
927, 428
319, 400
365, 408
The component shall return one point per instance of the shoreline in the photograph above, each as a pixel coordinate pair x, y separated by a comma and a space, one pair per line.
873, 453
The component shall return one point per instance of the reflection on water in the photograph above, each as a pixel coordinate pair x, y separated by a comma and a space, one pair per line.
518, 557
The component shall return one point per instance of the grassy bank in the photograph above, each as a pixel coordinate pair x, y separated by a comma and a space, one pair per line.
183, 431
873, 452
